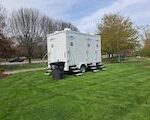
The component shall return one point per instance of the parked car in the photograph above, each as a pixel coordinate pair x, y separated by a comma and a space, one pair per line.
17, 59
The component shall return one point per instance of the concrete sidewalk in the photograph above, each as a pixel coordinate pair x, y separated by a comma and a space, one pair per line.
21, 63
24, 70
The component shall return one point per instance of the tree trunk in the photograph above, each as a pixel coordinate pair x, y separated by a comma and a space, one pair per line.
119, 57
29, 59
109, 57
29, 54
112, 57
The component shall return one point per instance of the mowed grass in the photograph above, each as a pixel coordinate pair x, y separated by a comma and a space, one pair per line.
120, 93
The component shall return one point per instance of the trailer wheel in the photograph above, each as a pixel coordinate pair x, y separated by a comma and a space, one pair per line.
83, 68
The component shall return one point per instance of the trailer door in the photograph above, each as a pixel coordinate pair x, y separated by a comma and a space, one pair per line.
90, 50
72, 52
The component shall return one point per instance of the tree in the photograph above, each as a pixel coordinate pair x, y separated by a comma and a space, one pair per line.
26, 26
146, 39
49, 25
118, 34
2, 26
146, 48
61, 25
31, 29
3, 16
6, 47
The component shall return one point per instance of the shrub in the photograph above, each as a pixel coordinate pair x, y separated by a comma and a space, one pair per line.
1, 70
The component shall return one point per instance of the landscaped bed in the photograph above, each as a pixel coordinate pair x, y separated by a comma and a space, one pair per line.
2, 75
122, 92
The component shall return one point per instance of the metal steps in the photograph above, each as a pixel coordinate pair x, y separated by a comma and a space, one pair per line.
92, 67
79, 74
101, 66
48, 72
94, 71
98, 66
74, 70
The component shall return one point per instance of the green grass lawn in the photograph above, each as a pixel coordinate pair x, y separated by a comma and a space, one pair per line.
23, 66
120, 93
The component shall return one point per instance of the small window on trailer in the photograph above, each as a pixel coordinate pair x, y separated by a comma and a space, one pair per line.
71, 43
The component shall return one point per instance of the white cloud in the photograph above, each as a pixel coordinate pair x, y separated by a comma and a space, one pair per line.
138, 10
53, 8
88, 23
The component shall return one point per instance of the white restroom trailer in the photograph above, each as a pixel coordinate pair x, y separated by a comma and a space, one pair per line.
77, 50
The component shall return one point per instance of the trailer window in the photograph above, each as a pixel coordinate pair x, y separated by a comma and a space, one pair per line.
52, 45
88, 45
97, 45
71, 43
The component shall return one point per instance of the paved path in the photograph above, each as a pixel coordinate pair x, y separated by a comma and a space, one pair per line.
20, 63
24, 70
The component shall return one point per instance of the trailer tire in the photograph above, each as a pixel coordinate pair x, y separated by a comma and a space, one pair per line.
83, 68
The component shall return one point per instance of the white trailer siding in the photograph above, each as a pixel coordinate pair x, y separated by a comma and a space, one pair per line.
76, 47
56, 46
97, 48
73, 48
85, 48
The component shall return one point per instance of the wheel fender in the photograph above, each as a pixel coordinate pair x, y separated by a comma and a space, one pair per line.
79, 66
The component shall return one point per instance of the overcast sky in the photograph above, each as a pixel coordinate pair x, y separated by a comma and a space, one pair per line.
85, 13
